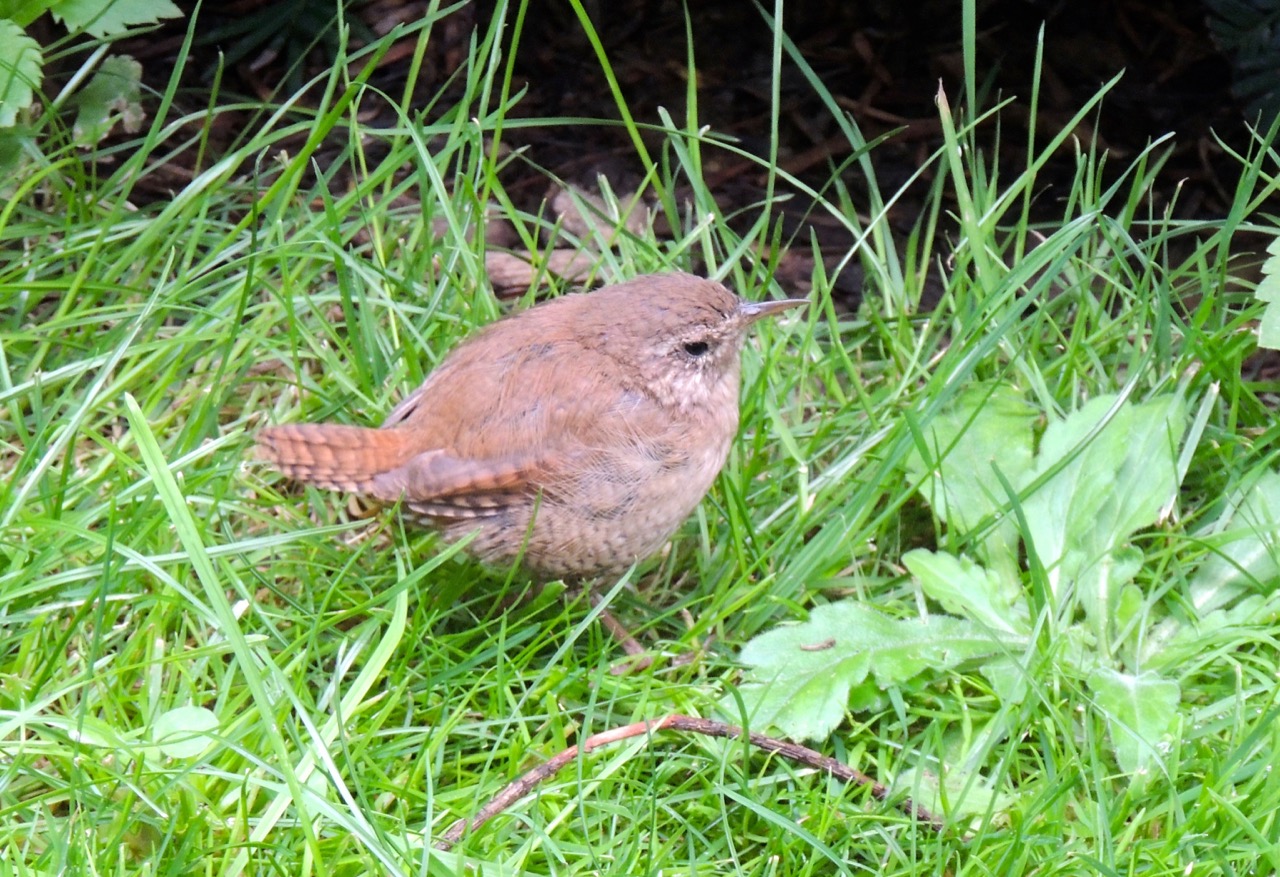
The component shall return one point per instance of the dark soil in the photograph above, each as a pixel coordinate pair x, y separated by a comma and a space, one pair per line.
882, 60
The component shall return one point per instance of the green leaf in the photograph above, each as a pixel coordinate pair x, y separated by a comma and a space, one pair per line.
1246, 558
1269, 325
1250, 555
1110, 469
967, 793
20, 74
984, 431
1170, 647
1007, 677
14, 142
112, 95
23, 12
966, 589
1130, 602
184, 732
107, 18
1269, 291
799, 677
1141, 713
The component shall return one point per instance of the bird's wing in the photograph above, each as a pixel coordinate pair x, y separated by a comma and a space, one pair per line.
502, 399
499, 431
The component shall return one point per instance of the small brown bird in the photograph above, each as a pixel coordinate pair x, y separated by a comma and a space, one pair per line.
575, 436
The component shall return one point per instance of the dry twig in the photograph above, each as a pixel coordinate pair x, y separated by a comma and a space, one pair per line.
793, 751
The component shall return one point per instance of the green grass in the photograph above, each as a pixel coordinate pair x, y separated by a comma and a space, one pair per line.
361, 686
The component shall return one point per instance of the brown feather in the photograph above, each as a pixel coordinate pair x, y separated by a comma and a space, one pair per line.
335, 456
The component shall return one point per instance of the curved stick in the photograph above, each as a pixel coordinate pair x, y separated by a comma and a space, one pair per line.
521, 786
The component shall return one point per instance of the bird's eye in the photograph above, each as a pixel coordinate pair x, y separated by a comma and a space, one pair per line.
696, 348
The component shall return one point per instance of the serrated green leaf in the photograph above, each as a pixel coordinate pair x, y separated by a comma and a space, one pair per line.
107, 18
20, 71
1249, 555
1254, 610
113, 95
799, 677
1106, 479
1269, 327
984, 431
866, 698
1269, 291
1188, 641
1141, 712
966, 589
1270, 267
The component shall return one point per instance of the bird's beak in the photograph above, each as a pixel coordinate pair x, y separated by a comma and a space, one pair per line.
750, 311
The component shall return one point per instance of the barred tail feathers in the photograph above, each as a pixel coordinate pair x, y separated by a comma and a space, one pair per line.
335, 456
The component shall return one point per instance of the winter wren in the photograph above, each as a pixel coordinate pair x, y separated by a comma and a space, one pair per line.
575, 436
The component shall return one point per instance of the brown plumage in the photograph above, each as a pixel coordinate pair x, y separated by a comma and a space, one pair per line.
576, 435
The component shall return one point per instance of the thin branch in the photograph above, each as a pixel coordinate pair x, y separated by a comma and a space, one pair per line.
521, 786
